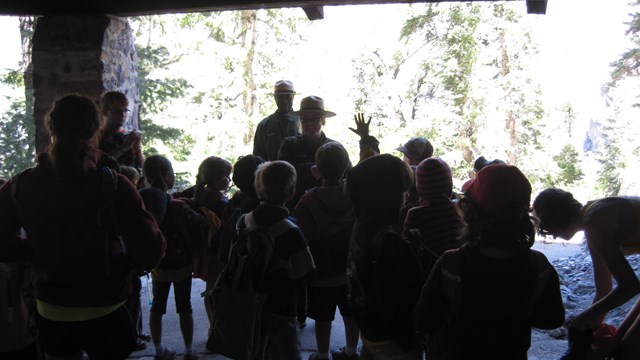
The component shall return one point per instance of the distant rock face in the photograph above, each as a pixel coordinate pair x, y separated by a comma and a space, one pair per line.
87, 55
577, 286
592, 137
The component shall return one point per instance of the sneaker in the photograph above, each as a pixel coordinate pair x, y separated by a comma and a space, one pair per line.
167, 354
340, 355
140, 345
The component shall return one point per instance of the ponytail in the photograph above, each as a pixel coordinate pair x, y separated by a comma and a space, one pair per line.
198, 193
74, 124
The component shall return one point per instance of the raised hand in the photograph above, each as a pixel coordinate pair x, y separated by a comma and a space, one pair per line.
362, 127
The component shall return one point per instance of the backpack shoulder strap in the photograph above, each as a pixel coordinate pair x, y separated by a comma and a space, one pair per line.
424, 255
275, 229
267, 237
280, 227
452, 279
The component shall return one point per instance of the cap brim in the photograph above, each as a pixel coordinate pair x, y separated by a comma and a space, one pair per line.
403, 150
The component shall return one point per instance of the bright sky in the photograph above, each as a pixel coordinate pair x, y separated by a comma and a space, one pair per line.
10, 43
582, 37
9, 28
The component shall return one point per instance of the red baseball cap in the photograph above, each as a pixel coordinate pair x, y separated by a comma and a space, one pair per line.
498, 185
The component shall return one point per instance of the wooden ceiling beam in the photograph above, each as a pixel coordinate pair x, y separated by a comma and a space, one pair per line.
313, 8
314, 13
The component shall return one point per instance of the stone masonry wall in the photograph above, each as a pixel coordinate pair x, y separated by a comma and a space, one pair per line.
87, 55
120, 67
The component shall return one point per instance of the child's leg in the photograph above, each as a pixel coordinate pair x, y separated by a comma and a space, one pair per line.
351, 328
322, 308
182, 293
323, 336
351, 332
158, 309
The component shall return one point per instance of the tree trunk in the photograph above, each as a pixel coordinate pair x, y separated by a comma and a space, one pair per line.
510, 117
249, 99
27, 27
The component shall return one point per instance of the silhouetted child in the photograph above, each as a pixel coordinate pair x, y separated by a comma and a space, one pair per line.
325, 216
436, 217
184, 230
415, 150
243, 201
482, 300
292, 266
212, 181
125, 147
383, 273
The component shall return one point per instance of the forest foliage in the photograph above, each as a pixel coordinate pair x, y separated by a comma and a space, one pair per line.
463, 75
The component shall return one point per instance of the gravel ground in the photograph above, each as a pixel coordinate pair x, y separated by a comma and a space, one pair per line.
575, 270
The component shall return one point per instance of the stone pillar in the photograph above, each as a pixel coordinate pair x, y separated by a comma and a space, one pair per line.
87, 55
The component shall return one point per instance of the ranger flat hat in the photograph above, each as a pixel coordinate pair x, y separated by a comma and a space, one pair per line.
313, 104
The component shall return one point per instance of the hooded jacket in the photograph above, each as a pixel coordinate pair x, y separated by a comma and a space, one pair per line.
325, 216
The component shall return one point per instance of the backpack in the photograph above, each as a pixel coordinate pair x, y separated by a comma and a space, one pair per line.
452, 276
250, 257
239, 293
178, 251
364, 293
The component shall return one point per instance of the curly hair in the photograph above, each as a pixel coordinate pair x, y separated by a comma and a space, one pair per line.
511, 228
554, 209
